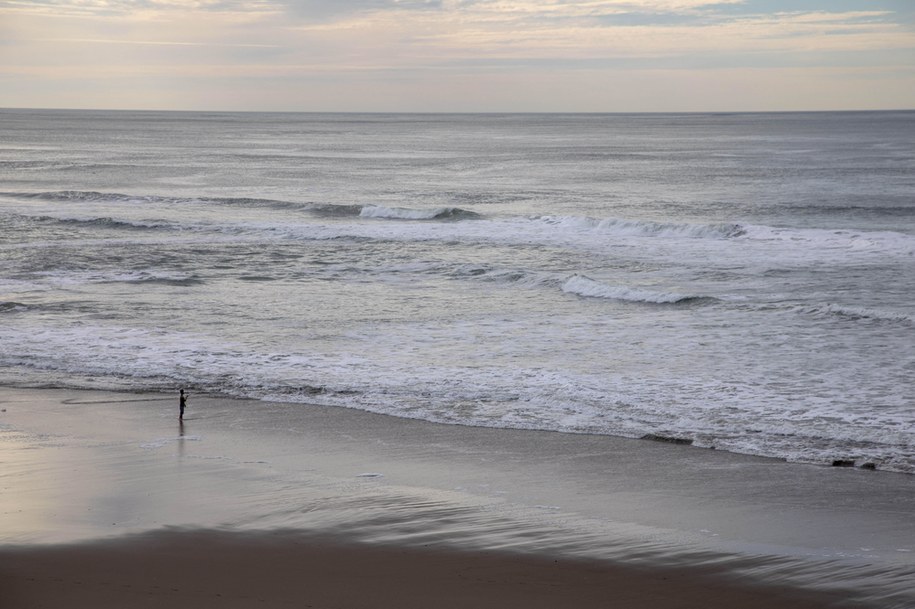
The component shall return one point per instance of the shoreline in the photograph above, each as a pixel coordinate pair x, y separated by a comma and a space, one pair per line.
92, 471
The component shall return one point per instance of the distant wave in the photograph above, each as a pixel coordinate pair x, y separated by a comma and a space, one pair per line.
25, 164
585, 286
518, 277
48, 307
333, 211
831, 310
799, 240
82, 195
406, 213
580, 285
317, 209
648, 229
859, 210
114, 197
859, 313
135, 277
143, 277
106, 222
837, 239
12, 307
76, 195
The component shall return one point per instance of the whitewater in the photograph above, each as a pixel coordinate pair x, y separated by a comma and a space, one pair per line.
740, 282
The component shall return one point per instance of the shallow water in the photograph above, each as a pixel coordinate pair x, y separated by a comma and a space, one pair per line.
242, 465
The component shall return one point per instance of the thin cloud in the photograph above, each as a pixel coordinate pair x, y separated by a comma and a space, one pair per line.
101, 8
519, 33
315, 12
569, 53
158, 43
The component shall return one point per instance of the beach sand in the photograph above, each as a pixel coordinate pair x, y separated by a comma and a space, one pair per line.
198, 569
108, 501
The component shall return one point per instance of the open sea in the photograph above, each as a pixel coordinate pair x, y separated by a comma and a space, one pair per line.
742, 281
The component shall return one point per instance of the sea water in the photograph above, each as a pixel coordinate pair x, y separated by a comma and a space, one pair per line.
741, 281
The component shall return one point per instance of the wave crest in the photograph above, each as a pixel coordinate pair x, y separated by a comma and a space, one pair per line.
71, 195
12, 307
857, 313
80, 196
406, 213
585, 286
643, 228
106, 222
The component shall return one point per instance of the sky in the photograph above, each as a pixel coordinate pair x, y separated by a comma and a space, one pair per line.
458, 55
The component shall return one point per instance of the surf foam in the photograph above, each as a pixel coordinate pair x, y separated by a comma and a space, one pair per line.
585, 286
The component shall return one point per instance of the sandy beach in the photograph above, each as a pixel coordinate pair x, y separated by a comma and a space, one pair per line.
107, 501
197, 569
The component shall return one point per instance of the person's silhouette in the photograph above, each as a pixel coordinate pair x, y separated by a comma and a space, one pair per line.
182, 404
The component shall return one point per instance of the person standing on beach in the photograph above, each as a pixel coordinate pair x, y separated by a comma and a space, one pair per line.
182, 404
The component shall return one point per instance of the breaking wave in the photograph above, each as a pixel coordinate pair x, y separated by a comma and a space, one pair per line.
585, 286
406, 213
329, 210
107, 222
70, 195
619, 226
507, 276
81, 196
70, 278
163, 280
879, 242
318, 209
859, 313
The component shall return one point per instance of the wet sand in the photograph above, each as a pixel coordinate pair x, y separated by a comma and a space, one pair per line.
196, 570
108, 501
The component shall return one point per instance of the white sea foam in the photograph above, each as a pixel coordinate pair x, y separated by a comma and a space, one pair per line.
724, 415
585, 286
862, 313
618, 226
877, 242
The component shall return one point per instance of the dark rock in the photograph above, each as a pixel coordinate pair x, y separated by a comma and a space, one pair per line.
868, 465
668, 439
843, 463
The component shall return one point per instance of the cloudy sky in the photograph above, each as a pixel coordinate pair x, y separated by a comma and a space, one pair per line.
458, 55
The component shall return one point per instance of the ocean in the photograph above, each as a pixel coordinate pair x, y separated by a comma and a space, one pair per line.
743, 282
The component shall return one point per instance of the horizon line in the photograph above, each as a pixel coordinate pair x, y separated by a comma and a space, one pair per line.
458, 112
